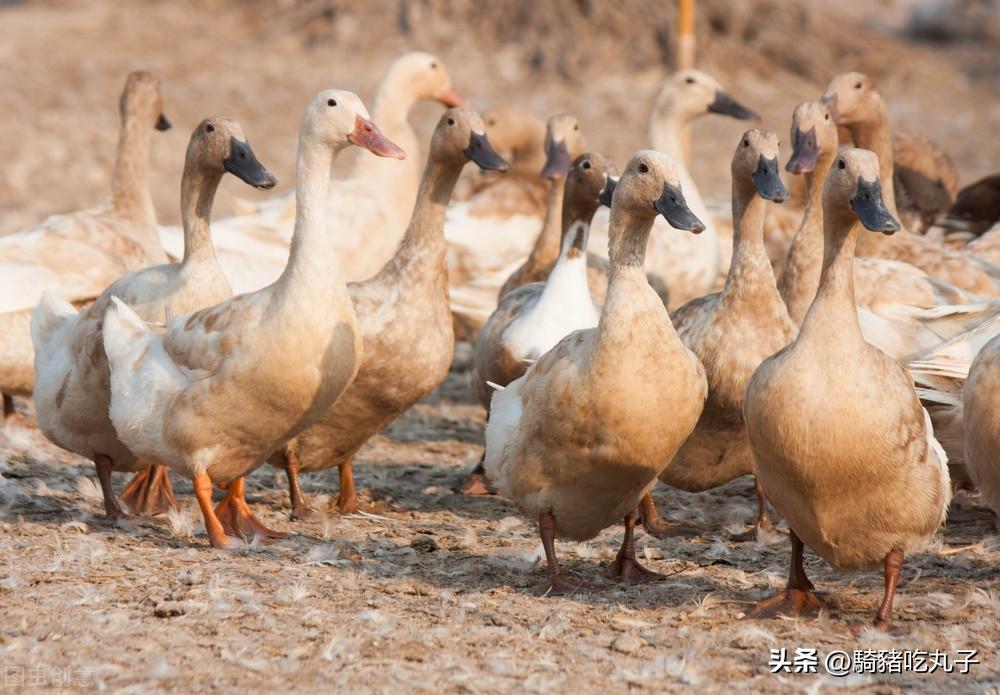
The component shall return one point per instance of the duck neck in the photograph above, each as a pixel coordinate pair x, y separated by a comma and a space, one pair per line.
569, 274
130, 194
666, 132
198, 187
312, 261
834, 309
393, 100
423, 252
874, 134
750, 274
546, 248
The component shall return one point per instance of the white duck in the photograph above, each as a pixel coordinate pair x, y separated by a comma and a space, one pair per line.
580, 438
220, 390
72, 393
371, 205
78, 254
840, 441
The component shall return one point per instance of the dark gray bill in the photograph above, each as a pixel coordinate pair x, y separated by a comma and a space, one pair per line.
674, 208
767, 181
243, 164
805, 152
482, 153
728, 106
608, 192
162, 123
869, 206
557, 160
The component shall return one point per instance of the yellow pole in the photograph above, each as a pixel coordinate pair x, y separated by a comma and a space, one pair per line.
684, 60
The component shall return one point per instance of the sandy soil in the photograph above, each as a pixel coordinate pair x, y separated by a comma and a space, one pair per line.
434, 592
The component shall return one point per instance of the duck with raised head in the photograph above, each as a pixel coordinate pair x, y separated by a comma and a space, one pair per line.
219, 391
732, 331
402, 311
370, 206
831, 415
532, 318
78, 254
580, 438
71, 389
855, 102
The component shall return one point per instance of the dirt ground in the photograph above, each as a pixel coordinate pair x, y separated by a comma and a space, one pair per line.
432, 591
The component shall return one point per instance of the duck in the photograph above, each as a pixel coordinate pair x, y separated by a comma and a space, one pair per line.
925, 179
72, 385
218, 391
370, 205
854, 102
903, 311
78, 254
816, 432
402, 310
532, 318
982, 424
579, 438
732, 331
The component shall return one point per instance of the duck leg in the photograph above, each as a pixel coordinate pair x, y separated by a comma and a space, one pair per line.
150, 492
347, 499
216, 533
655, 525
763, 522
111, 508
477, 483
798, 598
237, 519
300, 507
893, 568
557, 584
626, 567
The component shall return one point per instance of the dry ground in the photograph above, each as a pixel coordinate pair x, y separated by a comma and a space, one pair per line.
436, 592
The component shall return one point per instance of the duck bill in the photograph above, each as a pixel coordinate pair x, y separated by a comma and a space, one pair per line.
805, 152
367, 135
608, 192
450, 98
870, 208
483, 155
768, 182
557, 161
162, 123
675, 210
244, 165
728, 106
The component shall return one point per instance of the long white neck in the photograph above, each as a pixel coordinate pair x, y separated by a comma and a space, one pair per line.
666, 129
393, 101
568, 280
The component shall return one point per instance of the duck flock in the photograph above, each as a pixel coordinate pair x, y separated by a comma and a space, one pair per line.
837, 342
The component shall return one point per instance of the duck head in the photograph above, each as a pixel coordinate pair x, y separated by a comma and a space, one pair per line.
338, 118
755, 165
813, 132
141, 99
692, 93
650, 186
853, 98
588, 186
460, 136
518, 136
563, 142
219, 144
853, 191
426, 77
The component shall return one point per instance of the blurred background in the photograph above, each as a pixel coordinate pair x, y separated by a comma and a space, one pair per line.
63, 63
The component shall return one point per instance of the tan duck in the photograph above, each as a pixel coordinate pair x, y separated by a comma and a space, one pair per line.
832, 419
371, 205
855, 102
580, 438
220, 390
924, 179
532, 318
402, 311
79, 254
732, 332
71, 389
982, 423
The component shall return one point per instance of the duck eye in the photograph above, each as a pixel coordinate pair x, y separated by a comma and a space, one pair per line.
746, 142
209, 128
492, 122
434, 66
841, 164
586, 164
826, 117
576, 127
331, 102
451, 121
857, 86
690, 80
643, 169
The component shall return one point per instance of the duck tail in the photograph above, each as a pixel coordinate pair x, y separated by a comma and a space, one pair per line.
123, 332
51, 314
